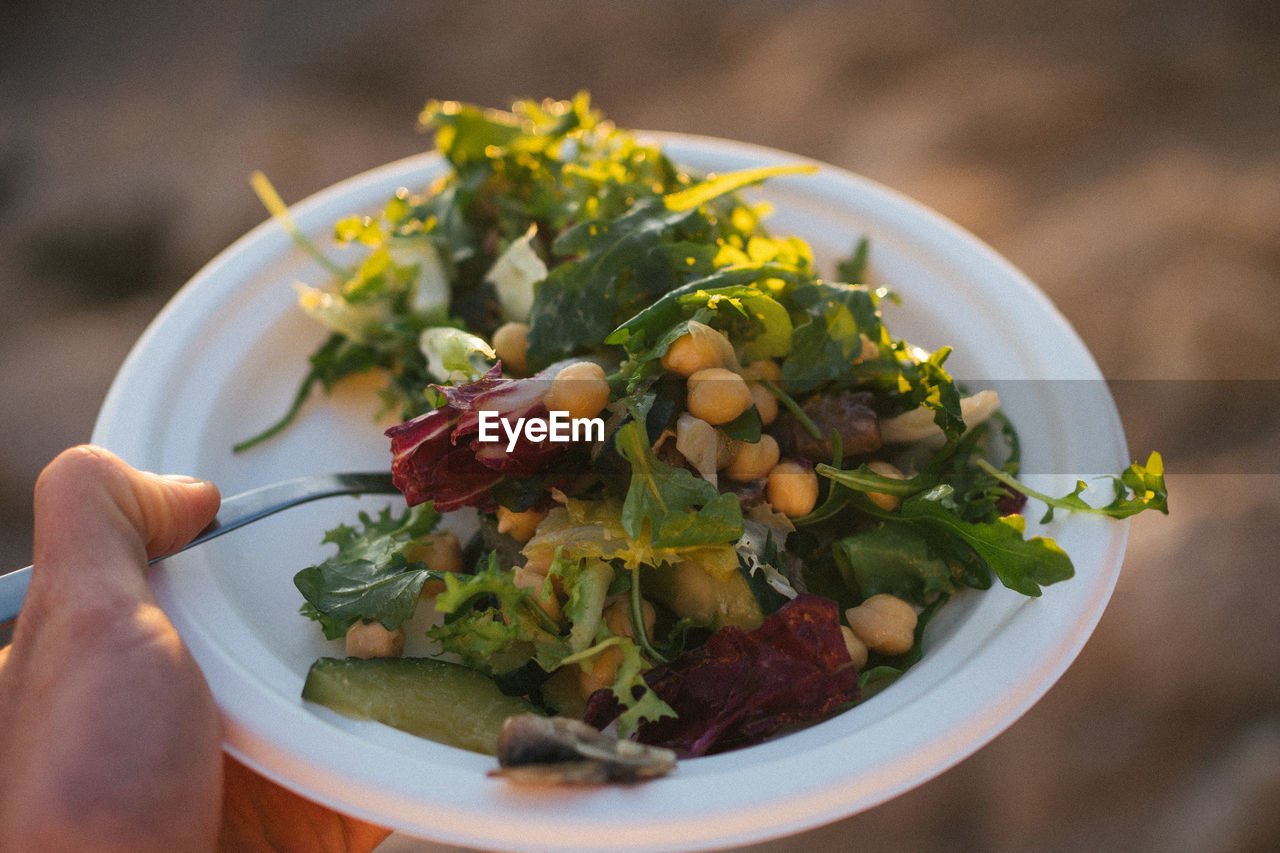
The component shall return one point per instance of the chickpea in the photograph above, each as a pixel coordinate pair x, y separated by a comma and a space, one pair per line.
885, 623
603, 669
539, 559
856, 648
440, 551
692, 352
579, 389
753, 461
766, 404
888, 503
544, 593
870, 349
372, 640
519, 525
717, 395
511, 343
617, 616
766, 368
792, 488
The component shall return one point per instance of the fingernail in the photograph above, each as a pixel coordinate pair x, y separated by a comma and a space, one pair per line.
182, 478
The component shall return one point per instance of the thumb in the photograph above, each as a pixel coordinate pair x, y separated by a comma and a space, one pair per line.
97, 520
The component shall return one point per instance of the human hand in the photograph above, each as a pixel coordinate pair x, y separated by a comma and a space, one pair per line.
109, 737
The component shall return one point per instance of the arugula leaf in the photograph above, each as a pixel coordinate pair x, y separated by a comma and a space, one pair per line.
853, 269
619, 265
1023, 565
925, 383
668, 506
973, 548
1138, 488
369, 578
731, 285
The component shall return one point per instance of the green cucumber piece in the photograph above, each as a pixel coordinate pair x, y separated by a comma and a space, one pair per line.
441, 701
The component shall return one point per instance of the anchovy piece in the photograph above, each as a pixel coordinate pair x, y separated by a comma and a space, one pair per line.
562, 751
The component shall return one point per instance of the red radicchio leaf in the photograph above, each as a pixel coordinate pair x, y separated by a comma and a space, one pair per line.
426, 466
742, 687
438, 456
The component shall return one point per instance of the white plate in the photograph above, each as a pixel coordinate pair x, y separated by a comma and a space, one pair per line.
224, 357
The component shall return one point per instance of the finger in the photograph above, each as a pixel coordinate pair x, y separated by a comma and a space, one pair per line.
97, 520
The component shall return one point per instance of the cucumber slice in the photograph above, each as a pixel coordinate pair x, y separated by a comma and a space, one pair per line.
445, 702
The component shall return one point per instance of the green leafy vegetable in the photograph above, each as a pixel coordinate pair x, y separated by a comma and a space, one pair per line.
671, 507
456, 356
896, 559
490, 623
853, 269
837, 319
1023, 565
369, 579
1138, 488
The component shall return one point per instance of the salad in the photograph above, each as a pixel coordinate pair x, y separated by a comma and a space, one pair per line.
717, 499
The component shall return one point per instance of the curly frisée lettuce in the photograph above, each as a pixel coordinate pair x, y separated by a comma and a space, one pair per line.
771, 466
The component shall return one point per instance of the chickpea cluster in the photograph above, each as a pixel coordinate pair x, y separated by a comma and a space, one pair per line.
718, 394
883, 623
717, 391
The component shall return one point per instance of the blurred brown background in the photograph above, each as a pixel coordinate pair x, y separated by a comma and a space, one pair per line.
1126, 156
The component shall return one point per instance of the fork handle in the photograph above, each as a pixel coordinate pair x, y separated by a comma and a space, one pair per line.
235, 512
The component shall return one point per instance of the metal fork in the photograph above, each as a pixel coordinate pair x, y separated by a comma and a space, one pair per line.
235, 512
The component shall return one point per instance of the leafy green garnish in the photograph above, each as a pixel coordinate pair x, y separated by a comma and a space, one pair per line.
490, 623
836, 318
618, 268
369, 579
1023, 565
729, 294
621, 265
895, 559
671, 507
1138, 488
853, 269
